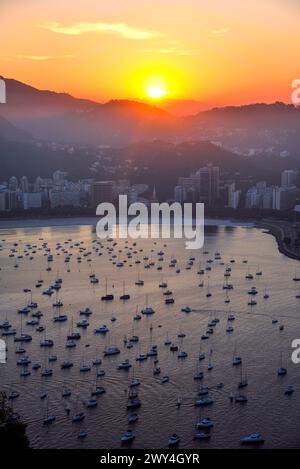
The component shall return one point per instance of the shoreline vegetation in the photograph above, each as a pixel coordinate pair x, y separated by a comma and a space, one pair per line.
12, 430
283, 225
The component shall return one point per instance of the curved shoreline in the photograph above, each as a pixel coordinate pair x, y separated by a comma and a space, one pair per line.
281, 230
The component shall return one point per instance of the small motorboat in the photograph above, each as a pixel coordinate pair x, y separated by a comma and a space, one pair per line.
289, 390
169, 301
127, 437
186, 309
91, 403
78, 417
20, 338
85, 368
24, 361
203, 391
164, 379
74, 336
133, 418
47, 372
85, 312
108, 297
102, 329
236, 361
49, 419
173, 440
148, 311
60, 318
97, 362
205, 423
111, 351
66, 364
83, 323
204, 402
134, 403
174, 348
281, 371
202, 436
46, 343
52, 358
125, 365
252, 439
135, 382
98, 391
13, 395
241, 399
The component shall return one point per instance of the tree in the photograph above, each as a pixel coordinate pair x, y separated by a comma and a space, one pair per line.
12, 431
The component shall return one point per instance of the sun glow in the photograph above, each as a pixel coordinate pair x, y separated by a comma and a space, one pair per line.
156, 87
156, 92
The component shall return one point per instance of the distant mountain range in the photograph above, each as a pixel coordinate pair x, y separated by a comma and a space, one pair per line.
60, 117
184, 107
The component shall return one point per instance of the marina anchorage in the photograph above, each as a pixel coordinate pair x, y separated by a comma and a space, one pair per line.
158, 223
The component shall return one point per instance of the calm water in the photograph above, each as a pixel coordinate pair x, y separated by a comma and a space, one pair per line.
259, 342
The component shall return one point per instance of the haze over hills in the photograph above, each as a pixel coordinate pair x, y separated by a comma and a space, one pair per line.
142, 142
11, 133
60, 117
184, 107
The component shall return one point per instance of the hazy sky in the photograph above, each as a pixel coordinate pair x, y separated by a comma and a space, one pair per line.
217, 51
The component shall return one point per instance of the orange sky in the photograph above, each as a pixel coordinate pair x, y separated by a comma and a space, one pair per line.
216, 51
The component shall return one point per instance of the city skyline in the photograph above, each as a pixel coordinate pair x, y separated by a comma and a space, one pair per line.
206, 185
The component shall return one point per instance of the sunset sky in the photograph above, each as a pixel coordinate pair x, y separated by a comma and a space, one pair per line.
215, 51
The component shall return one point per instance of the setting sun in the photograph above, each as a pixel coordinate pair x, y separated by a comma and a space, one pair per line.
156, 92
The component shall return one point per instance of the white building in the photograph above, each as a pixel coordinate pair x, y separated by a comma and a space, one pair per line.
233, 196
24, 183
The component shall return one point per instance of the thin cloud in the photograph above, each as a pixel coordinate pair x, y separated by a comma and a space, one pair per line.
170, 51
219, 31
44, 57
121, 29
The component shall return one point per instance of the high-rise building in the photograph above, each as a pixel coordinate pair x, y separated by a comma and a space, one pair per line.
13, 183
32, 200
209, 184
289, 177
38, 184
24, 184
202, 185
284, 198
179, 194
233, 196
